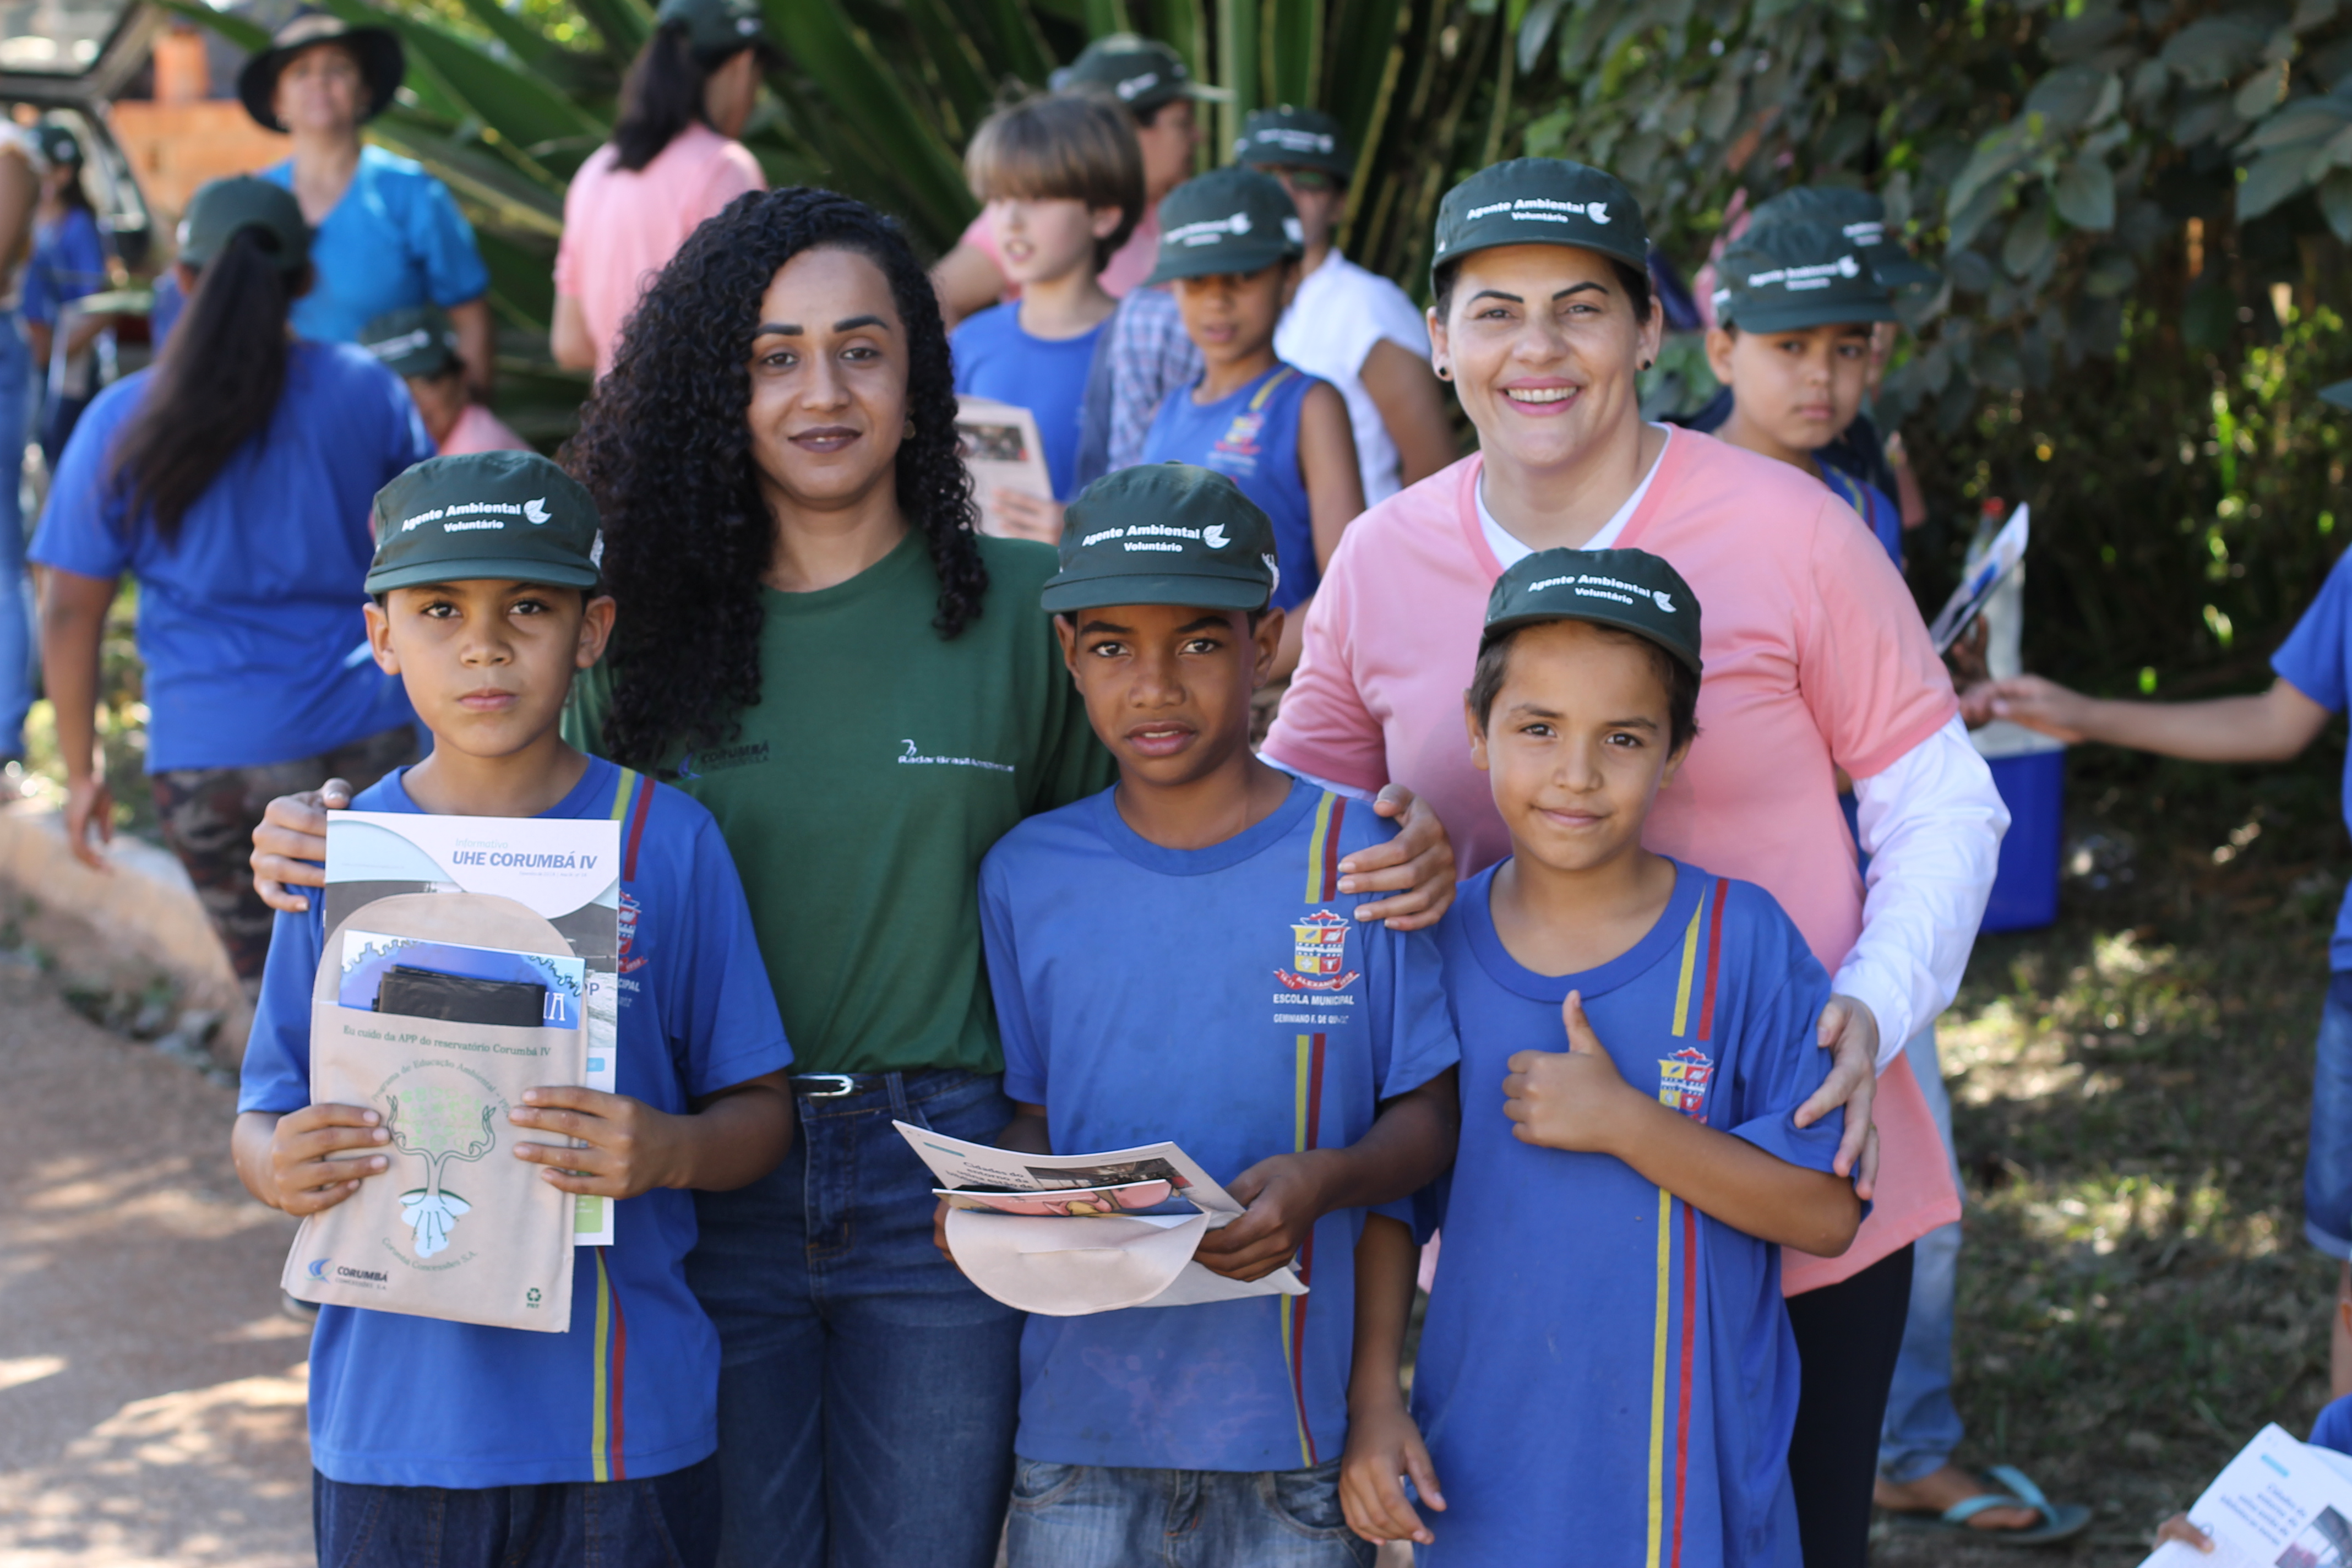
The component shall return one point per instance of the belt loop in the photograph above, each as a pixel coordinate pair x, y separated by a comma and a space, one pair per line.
899, 1105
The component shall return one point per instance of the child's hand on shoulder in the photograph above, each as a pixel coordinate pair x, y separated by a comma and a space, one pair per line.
1384, 1448
1282, 1197
632, 1147
1574, 1099
303, 1179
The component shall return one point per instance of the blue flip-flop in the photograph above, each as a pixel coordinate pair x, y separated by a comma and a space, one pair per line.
2060, 1521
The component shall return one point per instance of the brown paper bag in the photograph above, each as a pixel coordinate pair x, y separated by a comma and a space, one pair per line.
456, 1227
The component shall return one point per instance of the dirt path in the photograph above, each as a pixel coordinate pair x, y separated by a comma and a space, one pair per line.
151, 1395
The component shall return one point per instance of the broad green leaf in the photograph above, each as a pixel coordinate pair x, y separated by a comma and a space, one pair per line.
2086, 194
2208, 53
250, 36
2030, 243
2336, 204
1535, 32
2310, 14
2305, 119
2066, 97
1293, 44
2087, 36
2262, 93
2001, 154
2272, 179
525, 43
624, 24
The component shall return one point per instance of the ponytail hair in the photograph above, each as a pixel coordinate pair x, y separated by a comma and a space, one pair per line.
662, 94
217, 384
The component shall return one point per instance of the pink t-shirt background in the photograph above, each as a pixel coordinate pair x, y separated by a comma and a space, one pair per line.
1129, 266
621, 226
1815, 655
479, 430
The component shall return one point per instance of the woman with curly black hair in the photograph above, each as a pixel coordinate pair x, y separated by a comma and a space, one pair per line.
816, 644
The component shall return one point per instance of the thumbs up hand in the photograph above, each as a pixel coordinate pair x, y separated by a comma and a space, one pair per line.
1575, 1098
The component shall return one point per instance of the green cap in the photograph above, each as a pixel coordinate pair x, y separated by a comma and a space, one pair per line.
382, 64
1227, 220
224, 206
58, 145
1632, 590
513, 516
1861, 218
1541, 201
1141, 73
716, 27
1288, 137
1786, 277
1164, 533
417, 341
2337, 392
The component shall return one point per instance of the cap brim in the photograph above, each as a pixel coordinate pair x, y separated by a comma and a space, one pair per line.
1208, 262
1471, 247
1275, 158
1799, 318
1204, 592
1902, 271
1599, 617
419, 574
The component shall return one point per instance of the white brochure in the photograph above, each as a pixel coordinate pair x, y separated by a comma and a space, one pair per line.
2279, 1504
1002, 450
1065, 1234
566, 870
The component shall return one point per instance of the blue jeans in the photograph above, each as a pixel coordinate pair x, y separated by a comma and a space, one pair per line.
1086, 1516
1922, 1426
2327, 1169
662, 1521
866, 1391
16, 599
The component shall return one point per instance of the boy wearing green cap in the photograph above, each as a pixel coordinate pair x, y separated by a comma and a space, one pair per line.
458, 1445
1612, 1228
1795, 305
1351, 327
1229, 249
419, 345
1302, 1056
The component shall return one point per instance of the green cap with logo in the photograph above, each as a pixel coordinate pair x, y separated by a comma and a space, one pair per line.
1632, 590
416, 341
1227, 220
59, 144
1164, 533
716, 27
1288, 138
222, 207
1541, 201
1861, 218
512, 516
1787, 276
1141, 73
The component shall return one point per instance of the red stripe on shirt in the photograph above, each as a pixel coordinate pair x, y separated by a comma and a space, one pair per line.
1331, 865
1714, 959
1307, 1253
620, 1337
637, 828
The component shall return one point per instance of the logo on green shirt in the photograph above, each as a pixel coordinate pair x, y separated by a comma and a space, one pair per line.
914, 755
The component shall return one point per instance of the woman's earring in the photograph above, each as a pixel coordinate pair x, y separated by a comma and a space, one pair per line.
1445, 372
911, 427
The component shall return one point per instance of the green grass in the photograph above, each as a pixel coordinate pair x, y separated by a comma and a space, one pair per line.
2131, 1090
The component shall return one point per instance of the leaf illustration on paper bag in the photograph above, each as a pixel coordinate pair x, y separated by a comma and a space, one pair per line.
440, 1121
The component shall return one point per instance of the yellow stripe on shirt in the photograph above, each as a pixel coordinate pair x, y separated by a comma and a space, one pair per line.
1658, 1369
1690, 964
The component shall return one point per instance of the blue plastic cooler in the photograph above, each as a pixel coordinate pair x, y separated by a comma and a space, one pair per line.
2032, 784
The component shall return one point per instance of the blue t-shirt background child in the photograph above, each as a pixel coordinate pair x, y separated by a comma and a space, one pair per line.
1651, 1339
1227, 999
996, 357
2316, 661
631, 1390
1252, 437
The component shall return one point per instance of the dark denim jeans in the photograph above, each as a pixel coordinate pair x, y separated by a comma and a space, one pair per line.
1086, 1516
866, 1392
662, 1521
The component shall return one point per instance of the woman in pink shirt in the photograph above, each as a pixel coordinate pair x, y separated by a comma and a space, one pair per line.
673, 161
1816, 661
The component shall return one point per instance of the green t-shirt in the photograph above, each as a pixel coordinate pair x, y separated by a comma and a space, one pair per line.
860, 794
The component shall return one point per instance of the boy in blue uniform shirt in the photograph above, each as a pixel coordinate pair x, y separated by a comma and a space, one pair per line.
1172, 959
447, 1445
1230, 243
1794, 313
1614, 1225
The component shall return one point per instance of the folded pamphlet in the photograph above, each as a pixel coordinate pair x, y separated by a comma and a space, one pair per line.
2279, 1504
2007, 550
1065, 1234
1000, 451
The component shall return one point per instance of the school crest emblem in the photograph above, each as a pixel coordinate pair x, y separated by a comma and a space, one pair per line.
1320, 951
1683, 1080
630, 963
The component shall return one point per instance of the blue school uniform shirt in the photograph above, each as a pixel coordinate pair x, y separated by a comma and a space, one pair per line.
250, 622
68, 262
1877, 510
2316, 661
1601, 1362
995, 358
395, 240
2334, 1427
1226, 999
631, 1390
1251, 435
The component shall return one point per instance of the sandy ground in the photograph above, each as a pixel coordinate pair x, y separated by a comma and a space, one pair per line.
151, 1393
